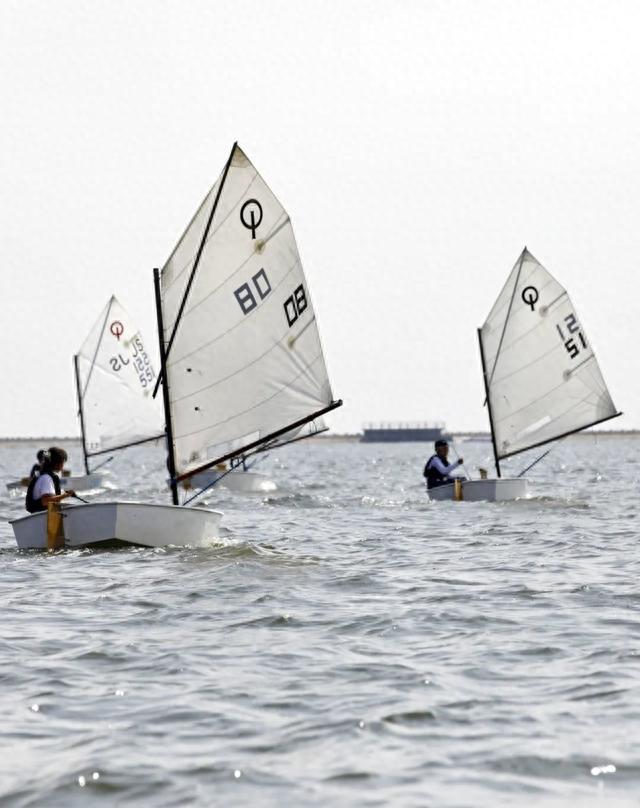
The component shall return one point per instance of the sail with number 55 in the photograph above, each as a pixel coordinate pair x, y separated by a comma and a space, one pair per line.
114, 381
244, 364
542, 377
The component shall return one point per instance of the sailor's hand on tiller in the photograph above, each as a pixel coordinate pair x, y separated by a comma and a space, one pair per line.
69, 493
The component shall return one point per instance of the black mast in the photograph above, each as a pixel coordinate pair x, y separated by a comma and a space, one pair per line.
196, 262
81, 415
486, 392
171, 462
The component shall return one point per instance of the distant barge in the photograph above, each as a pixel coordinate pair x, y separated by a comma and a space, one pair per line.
404, 433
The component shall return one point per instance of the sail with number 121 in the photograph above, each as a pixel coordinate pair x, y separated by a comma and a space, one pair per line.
542, 377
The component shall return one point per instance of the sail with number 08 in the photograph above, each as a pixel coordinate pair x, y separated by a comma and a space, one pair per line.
243, 360
115, 378
542, 378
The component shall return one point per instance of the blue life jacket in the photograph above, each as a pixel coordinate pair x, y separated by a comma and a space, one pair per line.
434, 477
35, 505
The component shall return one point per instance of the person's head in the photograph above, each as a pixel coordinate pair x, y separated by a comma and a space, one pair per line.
442, 449
40, 455
55, 459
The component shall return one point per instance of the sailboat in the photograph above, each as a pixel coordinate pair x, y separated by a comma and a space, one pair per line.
114, 379
242, 365
542, 380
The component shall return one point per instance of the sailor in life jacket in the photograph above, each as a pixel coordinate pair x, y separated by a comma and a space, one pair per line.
45, 488
437, 468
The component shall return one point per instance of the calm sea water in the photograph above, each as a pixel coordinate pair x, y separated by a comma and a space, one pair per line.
346, 642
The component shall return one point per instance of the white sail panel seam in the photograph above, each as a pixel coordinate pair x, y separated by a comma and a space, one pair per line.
548, 353
239, 323
231, 275
241, 369
494, 315
255, 406
541, 398
562, 415
549, 306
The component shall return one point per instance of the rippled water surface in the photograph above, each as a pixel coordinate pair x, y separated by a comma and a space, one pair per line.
345, 642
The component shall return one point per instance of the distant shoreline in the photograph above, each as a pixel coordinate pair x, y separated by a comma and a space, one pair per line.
347, 437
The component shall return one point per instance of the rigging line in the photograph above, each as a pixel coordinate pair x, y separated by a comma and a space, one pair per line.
535, 462
240, 322
244, 367
234, 207
217, 479
103, 464
506, 319
99, 343
453, 446
254, 406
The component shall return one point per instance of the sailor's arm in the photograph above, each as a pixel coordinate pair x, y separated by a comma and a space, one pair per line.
442, 469
45, 499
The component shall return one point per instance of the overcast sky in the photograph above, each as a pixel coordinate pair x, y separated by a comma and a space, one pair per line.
417, 146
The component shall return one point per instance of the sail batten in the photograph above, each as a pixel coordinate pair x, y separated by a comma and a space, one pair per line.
545, 381
563, 435
244, 359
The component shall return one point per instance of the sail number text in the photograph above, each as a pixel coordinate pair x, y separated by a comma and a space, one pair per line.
253, 292
247, 295
572, 336
140, 360
295, 304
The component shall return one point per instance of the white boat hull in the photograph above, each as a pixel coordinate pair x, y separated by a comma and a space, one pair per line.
503, 489
246, 482
83, 482
130, 522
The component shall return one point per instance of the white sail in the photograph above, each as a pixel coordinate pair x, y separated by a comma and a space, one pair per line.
116, 379
246, 359
543, 380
